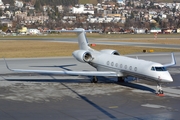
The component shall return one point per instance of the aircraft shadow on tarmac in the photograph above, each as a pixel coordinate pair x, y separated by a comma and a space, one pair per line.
62, 82
137, 86
87, 79
102, 80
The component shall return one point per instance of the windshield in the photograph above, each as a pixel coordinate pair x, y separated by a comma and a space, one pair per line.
158, 69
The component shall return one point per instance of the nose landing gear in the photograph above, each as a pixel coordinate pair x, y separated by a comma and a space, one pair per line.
160, 92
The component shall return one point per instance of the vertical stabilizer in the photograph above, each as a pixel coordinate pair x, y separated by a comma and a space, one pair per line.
82, 40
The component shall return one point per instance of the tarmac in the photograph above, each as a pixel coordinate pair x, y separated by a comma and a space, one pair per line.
26, 96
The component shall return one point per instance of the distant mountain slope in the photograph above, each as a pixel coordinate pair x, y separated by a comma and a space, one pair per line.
166, 1
88, 1
46, 2
70, 2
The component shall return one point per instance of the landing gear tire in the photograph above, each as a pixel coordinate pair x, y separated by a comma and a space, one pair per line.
120, 79
160, 91
94, 79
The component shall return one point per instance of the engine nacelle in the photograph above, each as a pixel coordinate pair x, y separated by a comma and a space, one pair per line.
82, 55
110, 51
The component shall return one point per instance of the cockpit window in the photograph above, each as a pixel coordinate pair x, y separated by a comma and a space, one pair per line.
158, 69
153, 69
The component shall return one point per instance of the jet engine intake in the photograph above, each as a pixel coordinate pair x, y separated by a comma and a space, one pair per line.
110, 51
82, 55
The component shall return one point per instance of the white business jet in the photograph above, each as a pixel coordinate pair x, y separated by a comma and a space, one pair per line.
110, 63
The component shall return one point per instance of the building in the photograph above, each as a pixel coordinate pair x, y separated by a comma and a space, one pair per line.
122, 2
23, 30
18, 4
33, 31
155, 30
79, 9
2, 7
6, 22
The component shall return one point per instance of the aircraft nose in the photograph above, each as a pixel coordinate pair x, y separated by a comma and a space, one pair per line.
170, 79
167, 78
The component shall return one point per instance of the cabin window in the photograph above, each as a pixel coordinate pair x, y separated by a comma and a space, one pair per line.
125, 66
107, 62
116, 65
121, 66
135, 69
112, 63
130, 68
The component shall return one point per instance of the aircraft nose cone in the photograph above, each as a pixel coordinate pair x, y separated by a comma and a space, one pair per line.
167, 78
170, 80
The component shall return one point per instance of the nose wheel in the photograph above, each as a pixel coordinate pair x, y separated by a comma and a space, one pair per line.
160, 91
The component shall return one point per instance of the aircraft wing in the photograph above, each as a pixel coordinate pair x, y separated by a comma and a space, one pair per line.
83, 73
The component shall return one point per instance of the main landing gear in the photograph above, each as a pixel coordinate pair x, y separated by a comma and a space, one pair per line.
121, 79
160, 92
94, 79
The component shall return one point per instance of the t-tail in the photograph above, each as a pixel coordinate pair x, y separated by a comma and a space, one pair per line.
82, 40
84, 53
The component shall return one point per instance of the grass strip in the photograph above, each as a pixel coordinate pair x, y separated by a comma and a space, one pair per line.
32, 49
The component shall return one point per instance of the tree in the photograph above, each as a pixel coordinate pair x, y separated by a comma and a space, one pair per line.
11, 2
4, 28
152, 25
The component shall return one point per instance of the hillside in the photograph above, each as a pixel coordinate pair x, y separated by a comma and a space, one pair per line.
55, 2
166, 1
88, 1
46, 2
69, 2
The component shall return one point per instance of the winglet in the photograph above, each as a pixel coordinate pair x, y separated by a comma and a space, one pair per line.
7, 65
173, 62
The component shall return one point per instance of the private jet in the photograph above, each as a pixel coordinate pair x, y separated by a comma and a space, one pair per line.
110, 63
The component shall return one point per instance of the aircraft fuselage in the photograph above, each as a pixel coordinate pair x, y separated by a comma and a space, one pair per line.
126, 66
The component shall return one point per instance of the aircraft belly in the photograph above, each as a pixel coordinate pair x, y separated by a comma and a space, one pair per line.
105, 68
140, 76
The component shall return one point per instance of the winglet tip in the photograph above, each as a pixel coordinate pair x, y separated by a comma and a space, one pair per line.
6, 64
173, 58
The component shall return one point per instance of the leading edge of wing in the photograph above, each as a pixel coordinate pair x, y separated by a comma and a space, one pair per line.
83, 73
